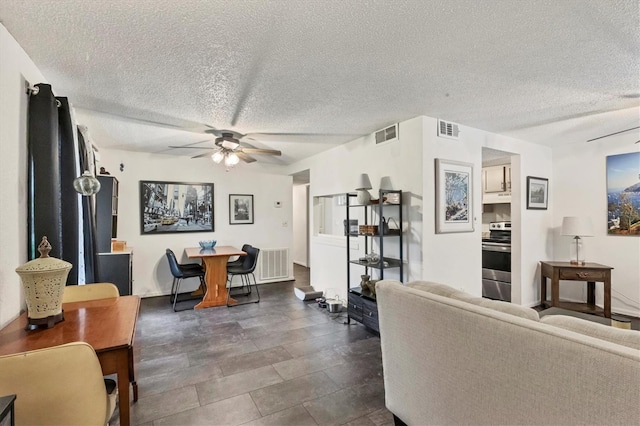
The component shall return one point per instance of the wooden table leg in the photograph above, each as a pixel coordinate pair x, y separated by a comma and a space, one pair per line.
555, 289
132, 376
216, 279
591, 293
543, 289
607, 295
122, 370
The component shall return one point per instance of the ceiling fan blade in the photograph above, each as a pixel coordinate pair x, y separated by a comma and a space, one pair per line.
188, 147
260, 151
244, 157
206, 154
142, 116
616, 133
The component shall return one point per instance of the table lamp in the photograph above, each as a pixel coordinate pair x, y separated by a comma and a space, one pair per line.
363, 185
577, 227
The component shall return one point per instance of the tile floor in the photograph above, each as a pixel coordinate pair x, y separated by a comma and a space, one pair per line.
278, 362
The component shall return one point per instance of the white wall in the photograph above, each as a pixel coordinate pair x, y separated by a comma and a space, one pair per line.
271, 229
580, 180
336, 171
15, 69
456, 259
300, 204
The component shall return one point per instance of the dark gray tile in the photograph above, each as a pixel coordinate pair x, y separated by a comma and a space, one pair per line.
355, 372
294, 416
361, 421
151, 385
302, 366
382, 417
226, 387
253, 360
333, 340
292, 392
163, 404
229, 412
204, 355
271, 340
347, 404
162, 365
263, 320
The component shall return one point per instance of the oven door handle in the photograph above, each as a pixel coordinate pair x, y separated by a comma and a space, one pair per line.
496, 247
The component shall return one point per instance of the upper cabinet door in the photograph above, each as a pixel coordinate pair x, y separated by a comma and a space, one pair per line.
493, 179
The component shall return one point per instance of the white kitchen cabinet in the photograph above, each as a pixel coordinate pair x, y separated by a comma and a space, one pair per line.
493, 179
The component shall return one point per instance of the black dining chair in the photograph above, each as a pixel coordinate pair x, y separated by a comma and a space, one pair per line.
245, 271
180, 272
240, 259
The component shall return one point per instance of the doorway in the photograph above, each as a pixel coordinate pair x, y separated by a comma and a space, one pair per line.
300, 218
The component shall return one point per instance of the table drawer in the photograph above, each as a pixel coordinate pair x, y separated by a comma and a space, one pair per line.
586, 275
370, 314
354, 307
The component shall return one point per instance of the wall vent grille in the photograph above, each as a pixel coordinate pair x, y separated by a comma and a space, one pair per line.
273, 264
387, 134
447, 129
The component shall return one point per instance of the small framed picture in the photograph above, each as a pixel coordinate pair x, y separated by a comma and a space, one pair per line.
240, 209
537, 193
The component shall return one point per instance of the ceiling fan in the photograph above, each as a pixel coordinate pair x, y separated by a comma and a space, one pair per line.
228, 148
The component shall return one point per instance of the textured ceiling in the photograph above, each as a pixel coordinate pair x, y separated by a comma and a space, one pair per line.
333, 69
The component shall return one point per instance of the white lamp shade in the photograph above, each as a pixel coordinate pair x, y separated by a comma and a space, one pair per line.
363, 182
577, 226
217, 156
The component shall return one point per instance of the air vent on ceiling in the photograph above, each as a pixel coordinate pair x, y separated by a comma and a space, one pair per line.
447, 129
387, 134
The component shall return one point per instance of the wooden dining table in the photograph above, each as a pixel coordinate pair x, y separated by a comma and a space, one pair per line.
215, 262
108, 325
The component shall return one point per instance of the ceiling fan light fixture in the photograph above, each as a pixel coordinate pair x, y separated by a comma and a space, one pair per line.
231, 159
217, 156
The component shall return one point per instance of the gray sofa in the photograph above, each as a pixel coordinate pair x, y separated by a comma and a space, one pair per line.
453, 359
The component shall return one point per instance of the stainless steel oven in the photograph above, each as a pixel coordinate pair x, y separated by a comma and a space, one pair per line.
496, 262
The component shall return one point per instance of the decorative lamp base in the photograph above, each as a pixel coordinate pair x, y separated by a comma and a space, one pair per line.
577, 262
363, 197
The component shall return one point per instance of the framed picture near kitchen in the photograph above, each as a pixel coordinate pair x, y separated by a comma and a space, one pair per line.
537, 193
454, 203
240, 209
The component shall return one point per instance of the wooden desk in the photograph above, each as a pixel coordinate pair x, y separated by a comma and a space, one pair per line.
215, 261
589, 272
108, 325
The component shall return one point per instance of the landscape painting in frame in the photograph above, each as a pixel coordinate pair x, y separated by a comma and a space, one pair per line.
454, 207
623, 194
170, 207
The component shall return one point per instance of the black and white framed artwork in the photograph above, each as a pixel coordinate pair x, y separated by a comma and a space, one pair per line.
240, 209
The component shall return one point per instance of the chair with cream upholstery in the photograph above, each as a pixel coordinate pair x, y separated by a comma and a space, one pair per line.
60, 385
93, 291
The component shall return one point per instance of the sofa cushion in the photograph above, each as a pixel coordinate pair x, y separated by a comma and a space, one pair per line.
629, 338
447, 291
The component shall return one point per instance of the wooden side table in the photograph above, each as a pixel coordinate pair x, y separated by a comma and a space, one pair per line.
589, 272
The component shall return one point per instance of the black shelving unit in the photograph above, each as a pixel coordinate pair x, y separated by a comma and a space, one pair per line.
113, 267
362, 305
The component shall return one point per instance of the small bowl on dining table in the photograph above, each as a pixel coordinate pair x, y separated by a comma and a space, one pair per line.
208, 244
